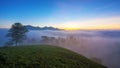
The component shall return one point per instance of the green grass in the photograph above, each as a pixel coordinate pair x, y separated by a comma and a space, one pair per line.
43, 56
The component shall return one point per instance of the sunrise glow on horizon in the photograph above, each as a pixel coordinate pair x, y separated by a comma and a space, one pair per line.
63, 14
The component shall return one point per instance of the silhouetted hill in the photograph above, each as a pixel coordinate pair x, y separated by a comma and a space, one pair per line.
29, 27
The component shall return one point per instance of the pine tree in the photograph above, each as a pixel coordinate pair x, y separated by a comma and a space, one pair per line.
17, 33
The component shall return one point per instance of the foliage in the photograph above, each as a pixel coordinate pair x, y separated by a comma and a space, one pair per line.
43, 56
16, 33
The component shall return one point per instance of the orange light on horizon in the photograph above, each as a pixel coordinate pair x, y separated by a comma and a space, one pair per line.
104, 27
112, 23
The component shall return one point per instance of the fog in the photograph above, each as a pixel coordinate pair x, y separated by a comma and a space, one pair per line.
101, 46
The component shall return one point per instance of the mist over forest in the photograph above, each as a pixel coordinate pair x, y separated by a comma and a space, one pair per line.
102, 46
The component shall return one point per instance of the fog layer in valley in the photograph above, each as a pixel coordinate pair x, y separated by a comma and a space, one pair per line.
100, 46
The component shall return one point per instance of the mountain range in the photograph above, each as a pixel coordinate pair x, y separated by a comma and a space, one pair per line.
29, 27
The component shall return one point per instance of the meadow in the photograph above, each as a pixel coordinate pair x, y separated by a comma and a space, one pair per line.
43, 56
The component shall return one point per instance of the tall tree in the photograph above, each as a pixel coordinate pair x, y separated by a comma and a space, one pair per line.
17, 33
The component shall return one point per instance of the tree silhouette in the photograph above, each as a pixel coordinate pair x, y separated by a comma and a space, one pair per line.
17, 33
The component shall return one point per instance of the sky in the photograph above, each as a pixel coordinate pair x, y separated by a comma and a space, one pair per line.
64, 14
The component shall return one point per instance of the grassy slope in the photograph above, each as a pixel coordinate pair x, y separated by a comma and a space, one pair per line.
43, 56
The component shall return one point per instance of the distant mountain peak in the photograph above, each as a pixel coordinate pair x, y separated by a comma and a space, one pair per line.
30, 27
